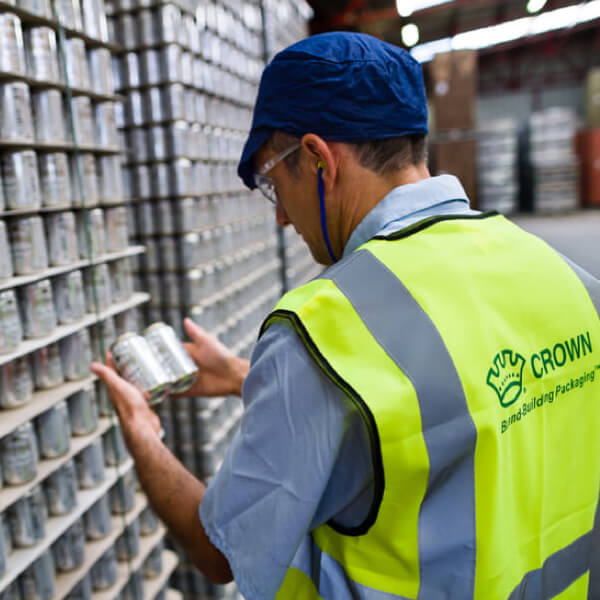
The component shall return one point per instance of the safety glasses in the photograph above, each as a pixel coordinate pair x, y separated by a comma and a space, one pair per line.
265, 184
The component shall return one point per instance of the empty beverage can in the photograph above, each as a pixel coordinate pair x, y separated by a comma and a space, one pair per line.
104, 573
109, 179
16, 121
76, 63
102, 335
37, 582
69, 549
48, 117
134, 108
128, 543
115, 451
16, 383
97, 519
47, 367
28, 245
98, 288
150, 71
83, 411
122, 494
106, 124
21, 181
19, 455
101, 71
54, 431
11, 331
83, 123
83, 590
149, 522
69, 297
69, 14
153, 564
63, 247
6, 266
40, 54
116, 229
12, 51
24, 531
55, 182
89, 464
76, 355
61, 490
86, 164
134, 588
122, 286
37, 309
137, 363
94, 244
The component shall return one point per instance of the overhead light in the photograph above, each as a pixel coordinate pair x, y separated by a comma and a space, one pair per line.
534, 6
406, 8
410, 35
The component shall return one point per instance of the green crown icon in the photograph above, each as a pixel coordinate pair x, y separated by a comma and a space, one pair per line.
505, 376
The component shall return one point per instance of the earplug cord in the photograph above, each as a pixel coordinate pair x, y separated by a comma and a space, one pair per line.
322, 206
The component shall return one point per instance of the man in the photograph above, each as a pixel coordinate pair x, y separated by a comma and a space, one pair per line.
421, 420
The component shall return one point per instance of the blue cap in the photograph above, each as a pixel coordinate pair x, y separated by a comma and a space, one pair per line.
345, 87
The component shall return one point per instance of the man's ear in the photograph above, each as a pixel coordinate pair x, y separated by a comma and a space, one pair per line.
321, 155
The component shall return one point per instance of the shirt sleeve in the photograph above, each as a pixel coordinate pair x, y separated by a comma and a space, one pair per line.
300, 458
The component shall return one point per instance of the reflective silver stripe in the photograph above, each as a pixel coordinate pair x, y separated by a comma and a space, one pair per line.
594, 579
592, 285
557, 573
447, 517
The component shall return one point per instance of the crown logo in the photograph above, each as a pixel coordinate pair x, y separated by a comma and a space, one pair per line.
505, 376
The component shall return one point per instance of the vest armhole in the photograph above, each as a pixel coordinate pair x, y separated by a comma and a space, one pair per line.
425, 223
367, 415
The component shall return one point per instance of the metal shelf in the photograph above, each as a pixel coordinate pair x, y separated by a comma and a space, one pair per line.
57, 147
153, 586
34, 210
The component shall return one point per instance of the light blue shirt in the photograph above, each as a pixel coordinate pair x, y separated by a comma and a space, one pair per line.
302, 455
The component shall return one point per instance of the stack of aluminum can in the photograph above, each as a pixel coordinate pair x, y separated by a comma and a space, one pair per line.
553, 168
497, 166
66, 292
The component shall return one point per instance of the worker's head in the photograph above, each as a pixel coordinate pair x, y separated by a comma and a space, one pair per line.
340, 112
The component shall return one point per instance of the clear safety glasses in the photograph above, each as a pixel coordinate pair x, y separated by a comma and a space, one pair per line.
265, 184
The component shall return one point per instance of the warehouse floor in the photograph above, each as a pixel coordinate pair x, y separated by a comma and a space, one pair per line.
576, 235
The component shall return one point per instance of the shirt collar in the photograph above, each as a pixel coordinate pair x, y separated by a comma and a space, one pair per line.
403, 202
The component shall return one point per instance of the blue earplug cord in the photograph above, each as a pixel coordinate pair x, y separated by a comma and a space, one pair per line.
323, 222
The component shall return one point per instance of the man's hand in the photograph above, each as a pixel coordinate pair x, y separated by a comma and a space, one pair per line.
137, 418
220, 372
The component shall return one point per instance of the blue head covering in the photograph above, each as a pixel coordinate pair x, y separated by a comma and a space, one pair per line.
345, 87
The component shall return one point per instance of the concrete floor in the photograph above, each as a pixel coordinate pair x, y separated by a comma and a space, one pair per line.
576, 235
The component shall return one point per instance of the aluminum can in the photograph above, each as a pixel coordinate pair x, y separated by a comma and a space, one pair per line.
154, 111
138, 144
168, 253
97, 519
178, 140
11, 330
160, 180
12, 51
37, 582
163, 340
60, 488
54, 179
122, 494
106, 124
69, 297
168, 19
187, 73
16, 383
4, 551
101, 73
131, 70
28, 245
69, 549
47, 367
19, 455
76, 355
185, 215
149, 522
122, 283
104, 573
126, 321
62, 238
95, 244
54, 431
116, 229
126, 31
115, 451
5, 532
153, 564
150, 63
105, 408
48, 116
128, 543
86, 163
37, 7
191, 246
154, 288
134, 109
137, 363
83, 590
94, 19
20, 178
157, 142
69, 14
102, 335
164, 217
24, 532
83, 122
143, 183
40, 54
76, 63
174, 101
146, 28
97, 287
146, 224
37, 309
6, 268
16, 121
170, 293
109, 179
89, 464
181, 177
134, 588
83, 411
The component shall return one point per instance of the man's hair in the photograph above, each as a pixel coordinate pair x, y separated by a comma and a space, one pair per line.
381, 156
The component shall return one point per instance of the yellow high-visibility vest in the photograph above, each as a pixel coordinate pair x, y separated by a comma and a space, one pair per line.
472, 351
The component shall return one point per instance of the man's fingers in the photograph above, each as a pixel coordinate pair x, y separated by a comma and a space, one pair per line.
109, 376
196, 333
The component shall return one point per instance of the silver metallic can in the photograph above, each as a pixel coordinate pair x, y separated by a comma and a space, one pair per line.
116, 229
69, 14
20, 179
83, 411
104, 573
126, 31
157, 142
146, 28
60, 488
134, 588
12, 51
95, 244
37, 309
109, 179
137, 363
62, 238
164, 342
146, 224
28, 245
6, 266
69, 297
47, 367
168, 253
83, 590
178, 139
37, 582
94, 19
168, 19
106, 124
97, 287
154, 111
171, 297
149, 522
122, 494
105, 407
16, 121
11, 330
181, 177
40, 54
174, 101
48, 117
76, 355
19, 455
126, 321
160, 180
97, 520
101, 74
89, 465
137, 144
4, 551
185, 215
54, 431
83, 121
150, 63
16, 383
128, 543
115, 451
69, 549
142, 182
153, 564
122, 282
86, 163
164, 217
21, 519
37, 7
134, 108
55, 182
76, 63
102, 335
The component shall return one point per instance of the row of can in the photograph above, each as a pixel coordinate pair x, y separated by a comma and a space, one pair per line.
31, 244
176, 102
40, 116
192, 584
32, 52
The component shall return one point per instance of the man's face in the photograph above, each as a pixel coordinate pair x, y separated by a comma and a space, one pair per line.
297, 200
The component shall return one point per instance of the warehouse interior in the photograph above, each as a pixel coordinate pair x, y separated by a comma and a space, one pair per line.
121, 126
